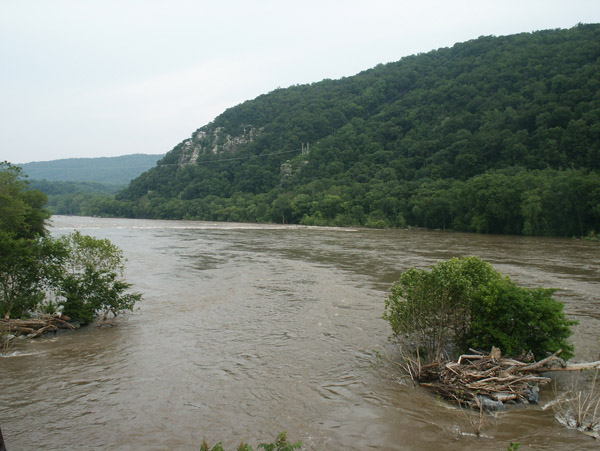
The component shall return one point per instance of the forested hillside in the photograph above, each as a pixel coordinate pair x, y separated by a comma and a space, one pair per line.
106, 170
73, 184
495, 135
72, 198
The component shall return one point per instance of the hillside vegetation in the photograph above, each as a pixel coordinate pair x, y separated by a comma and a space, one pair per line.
494, 135
73, 184
106, 170
73, 198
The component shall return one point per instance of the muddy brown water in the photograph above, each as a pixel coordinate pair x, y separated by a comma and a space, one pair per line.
248, 330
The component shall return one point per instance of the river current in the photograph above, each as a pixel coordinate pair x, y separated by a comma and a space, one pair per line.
248, 330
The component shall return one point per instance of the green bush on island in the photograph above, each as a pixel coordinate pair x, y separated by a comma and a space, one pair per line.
465, 303
83, 274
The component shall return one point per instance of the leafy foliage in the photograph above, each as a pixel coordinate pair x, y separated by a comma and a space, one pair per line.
21, 212
60, 188
495, 135
280, 444
73, 185
71, 198
22, 266
90, 281
465, 303
84, 270
516, 319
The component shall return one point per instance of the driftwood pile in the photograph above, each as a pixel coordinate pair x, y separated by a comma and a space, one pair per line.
35, 327
489, 381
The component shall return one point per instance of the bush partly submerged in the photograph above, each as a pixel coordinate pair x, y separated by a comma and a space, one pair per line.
280, 444
465, 303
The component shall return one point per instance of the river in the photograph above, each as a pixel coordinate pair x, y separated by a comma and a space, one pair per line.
248, 330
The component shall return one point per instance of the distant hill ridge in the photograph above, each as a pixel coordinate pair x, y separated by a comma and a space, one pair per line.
495, 135
107, 170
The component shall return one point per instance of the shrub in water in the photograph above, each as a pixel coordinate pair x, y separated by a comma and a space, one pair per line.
465, 303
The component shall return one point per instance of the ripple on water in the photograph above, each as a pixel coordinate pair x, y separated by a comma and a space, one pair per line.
247, 330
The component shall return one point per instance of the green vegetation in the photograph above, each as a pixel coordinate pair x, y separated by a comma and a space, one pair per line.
73, 198
22, 266
59, 188
89, 279
21, 212
76, 186
494, 135
280, 444
465, 303
106, 170
79, 273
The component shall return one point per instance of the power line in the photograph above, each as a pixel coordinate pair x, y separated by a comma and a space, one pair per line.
96, 168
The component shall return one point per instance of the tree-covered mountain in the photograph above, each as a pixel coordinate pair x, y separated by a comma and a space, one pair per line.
497, 135
73, 184
72, 198
106, 170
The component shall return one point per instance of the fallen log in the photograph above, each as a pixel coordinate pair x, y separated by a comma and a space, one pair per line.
35, 327
17, 328
536, 365
494, 377
572, 367
44, 329
470, 357
64, 323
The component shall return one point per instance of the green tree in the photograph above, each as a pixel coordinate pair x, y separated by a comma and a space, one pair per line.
91, 281
86, 271
24, 254
21, 210
21, 275
518, 319
281, 208
465, 302
531, 210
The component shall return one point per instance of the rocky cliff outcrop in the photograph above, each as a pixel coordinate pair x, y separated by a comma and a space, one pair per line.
215, 140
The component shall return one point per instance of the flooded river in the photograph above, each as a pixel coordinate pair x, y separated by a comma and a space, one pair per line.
249, 330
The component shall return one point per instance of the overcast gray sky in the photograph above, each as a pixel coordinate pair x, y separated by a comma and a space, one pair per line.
91, 78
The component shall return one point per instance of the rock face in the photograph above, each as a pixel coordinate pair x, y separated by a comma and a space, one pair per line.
214, 140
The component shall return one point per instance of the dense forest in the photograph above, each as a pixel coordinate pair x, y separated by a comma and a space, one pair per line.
73, 184
72, 198
494, 135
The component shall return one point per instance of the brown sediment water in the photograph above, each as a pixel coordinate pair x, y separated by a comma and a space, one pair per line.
248, 330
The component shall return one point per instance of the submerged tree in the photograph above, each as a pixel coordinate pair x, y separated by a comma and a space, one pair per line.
85, 272
465, 303
91, 279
